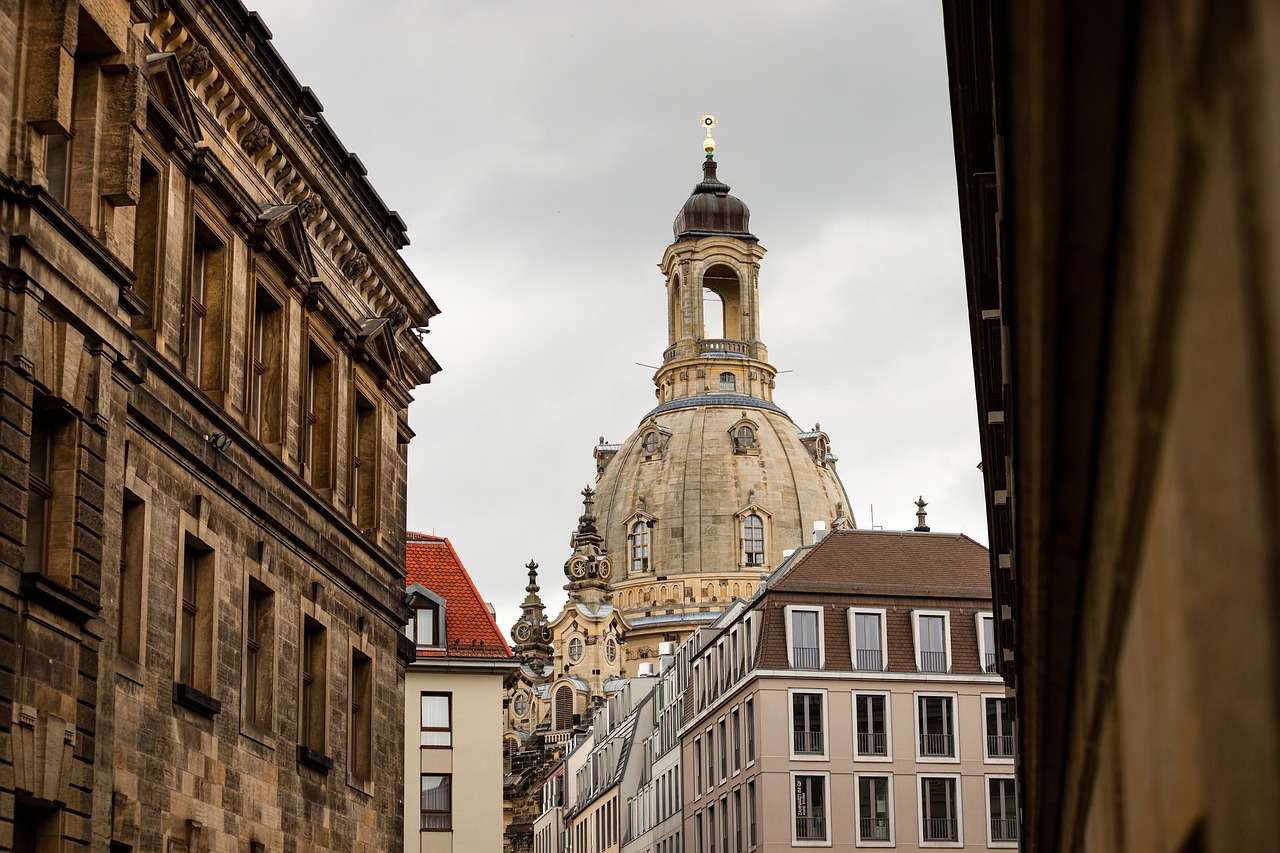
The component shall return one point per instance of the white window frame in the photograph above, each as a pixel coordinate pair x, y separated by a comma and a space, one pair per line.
822, 651
986, 809
826, 725
920, 777
946, 633
888, 725
955, 727
983, 651
857, 811
987, 757
709, 750
853, 642
826, 800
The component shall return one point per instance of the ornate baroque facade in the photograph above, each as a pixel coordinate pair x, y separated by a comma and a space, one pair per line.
688, 513
206, 355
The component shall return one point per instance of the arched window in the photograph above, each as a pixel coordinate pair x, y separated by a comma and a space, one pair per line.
639, 542
728, 382
752, 540
575, 650
744, 439
611, 649
564, 707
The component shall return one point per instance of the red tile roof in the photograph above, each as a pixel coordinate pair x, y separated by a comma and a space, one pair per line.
469, 628
893, 562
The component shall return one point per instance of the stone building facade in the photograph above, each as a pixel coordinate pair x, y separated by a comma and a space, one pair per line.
1119, 186
207, 350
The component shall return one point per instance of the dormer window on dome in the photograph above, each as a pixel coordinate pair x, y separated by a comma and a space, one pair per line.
653, 442
743, 437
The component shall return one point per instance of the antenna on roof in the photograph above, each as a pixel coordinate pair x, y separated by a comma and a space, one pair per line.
875, 526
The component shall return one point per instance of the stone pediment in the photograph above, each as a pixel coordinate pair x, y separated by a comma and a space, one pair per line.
169, 98
375, 345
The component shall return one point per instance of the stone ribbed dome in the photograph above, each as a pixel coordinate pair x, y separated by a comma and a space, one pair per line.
711, 210
694, 488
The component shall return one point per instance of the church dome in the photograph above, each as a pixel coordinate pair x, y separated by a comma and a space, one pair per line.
711, 210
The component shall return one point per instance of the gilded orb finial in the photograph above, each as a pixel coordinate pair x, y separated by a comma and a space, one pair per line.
709, 144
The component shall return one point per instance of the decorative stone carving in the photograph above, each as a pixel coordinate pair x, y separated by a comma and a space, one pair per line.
256, 139
355, 266
195, 63
310, 207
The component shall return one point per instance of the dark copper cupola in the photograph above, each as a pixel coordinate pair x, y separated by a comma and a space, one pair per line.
710, 210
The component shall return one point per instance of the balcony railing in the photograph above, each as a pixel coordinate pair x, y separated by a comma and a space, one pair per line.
933, 661
943, 745
873, 829
989, 663
940, 829
811, 828
869, 660
1000, 746
722, 345
808, 742
804, 657
1004, 829
873, 743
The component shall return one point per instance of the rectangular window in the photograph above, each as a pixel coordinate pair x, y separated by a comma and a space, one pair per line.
724, 824
424, 626
39, 493
132, 544
711, 828
751, 813
987, 642
933, 642
57, 167
317, 420
437, 719
724, 751
1002, 806
195, 632
364, 467
361, 715
939, 809
872, 723
809, 807
999, 728
807, 736
936, 722
868, 640
197, 311
697, 766
259, 655
737, 821
147, 226
437, 801
751, 730
313, 710
711, 759
735, 723
874, 811
804, 639
698, 832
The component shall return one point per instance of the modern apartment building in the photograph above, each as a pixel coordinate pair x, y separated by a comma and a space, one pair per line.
453, 765
852, 703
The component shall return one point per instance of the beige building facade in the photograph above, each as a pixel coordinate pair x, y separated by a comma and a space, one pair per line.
207, 360
852, 704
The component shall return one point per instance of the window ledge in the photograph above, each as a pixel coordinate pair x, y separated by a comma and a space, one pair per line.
314, 759
258, 734
201, 703
42, 589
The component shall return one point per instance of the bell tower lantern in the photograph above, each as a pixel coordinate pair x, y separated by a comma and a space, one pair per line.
713, 299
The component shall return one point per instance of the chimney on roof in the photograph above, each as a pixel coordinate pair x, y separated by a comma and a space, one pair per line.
819, 531
921, 527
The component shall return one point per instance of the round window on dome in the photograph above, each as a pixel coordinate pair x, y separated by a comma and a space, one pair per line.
611, 650
652, 442
520, 705
575, 650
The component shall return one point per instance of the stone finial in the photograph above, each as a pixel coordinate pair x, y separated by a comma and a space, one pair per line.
532, 588
256, 139
195, 62
921, 527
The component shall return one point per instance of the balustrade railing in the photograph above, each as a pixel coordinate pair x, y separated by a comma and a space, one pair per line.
940, 829
1000, 746
873, 829
804, 657
933, 661
808, 742
1004, 829
937, 745
869, 660
811, 828
872, 743
989, 663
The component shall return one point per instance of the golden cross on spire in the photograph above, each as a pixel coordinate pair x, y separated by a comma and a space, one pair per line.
709, 144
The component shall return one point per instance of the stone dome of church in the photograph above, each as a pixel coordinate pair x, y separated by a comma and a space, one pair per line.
711, 210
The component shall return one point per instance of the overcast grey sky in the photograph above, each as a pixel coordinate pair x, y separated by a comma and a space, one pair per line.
538, 153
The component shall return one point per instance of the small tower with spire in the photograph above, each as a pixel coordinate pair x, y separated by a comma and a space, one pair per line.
531, 634
921, 527
588, 568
